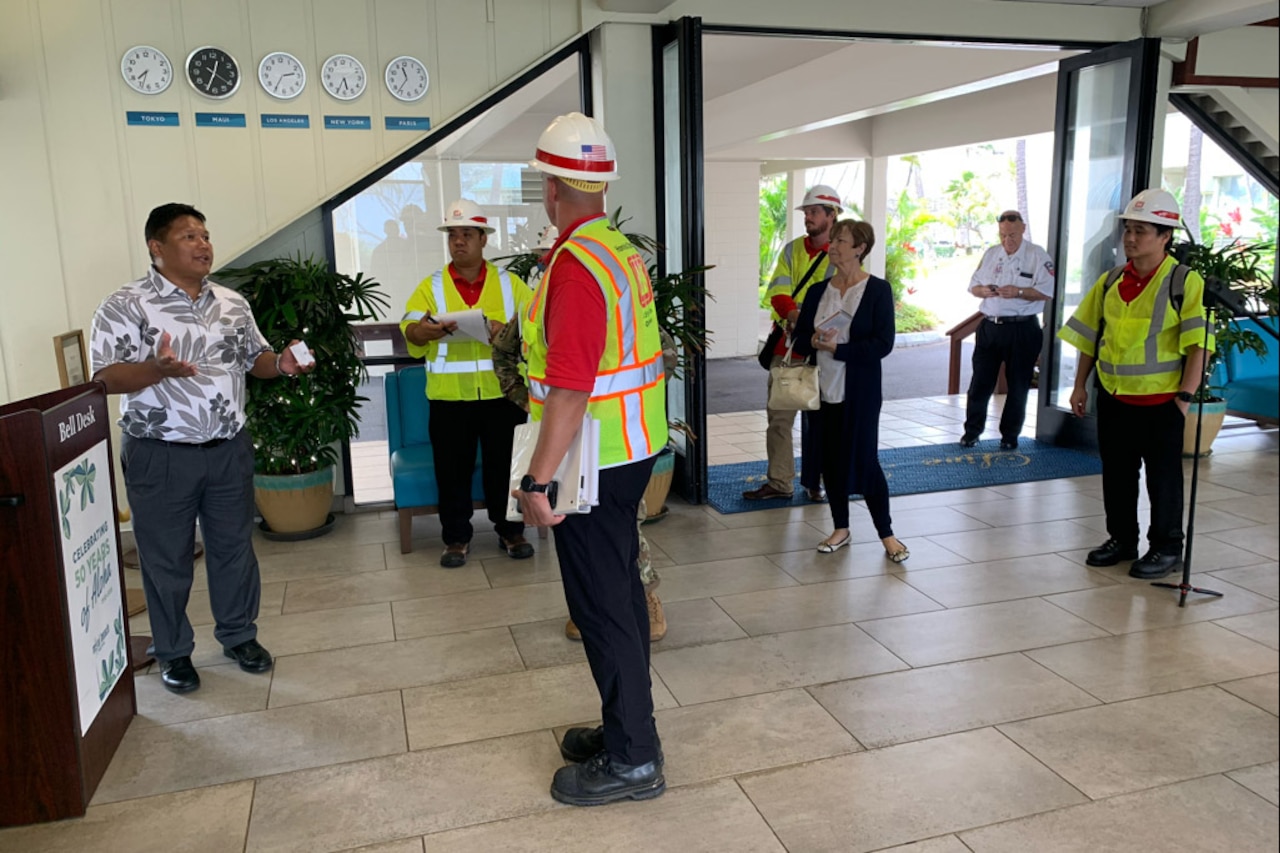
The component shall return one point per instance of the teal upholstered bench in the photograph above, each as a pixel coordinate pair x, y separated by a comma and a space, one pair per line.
1253, 384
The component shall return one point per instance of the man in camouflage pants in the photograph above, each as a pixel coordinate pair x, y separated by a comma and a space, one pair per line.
507, 364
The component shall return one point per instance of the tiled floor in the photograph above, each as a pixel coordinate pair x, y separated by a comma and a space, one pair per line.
990, 694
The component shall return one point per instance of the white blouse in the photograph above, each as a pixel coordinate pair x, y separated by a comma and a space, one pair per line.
831, 370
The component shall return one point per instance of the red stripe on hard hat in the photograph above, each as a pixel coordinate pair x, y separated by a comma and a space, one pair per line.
574, 163
483, 219
1165, 214
828, 198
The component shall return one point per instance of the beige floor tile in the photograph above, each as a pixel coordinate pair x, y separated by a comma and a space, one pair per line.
1260, 483
1212, 558
902, 793
349, 530
1264, 509
1143, 743
378, 587
161, 759
813, 513
224, 690
954, 499
392, 666
773, 662
321, 562
1263, 627
683, 520
724, 544
908, 524
1022, 541
1261, 539
207, 820
427, 548
1262, 690
1141, 607
721, 577
773, 611
942, 844
1002, 580
1263, 780
298, 633
467, 611
1204, 814
859, 560
705, 741
881, 710
333, 808
199, 613
543, 644
1039, 489
1263, 579
712, 818
924, 639
479, 708
542, 567
1049, 506
407, 845
1161, 661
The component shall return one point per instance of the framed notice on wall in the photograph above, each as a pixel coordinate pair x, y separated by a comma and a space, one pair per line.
73, 366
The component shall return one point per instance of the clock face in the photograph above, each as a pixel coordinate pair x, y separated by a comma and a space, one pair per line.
146, 70
212, 72
407, 78
282, 75
343, 77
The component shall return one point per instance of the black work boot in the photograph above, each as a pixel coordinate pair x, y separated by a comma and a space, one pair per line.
600, 780
1153, 566
1111, 552
580, 743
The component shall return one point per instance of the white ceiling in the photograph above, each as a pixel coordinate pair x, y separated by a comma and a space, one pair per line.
1129, 3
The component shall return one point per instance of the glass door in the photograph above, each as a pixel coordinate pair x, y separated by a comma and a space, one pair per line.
1102, 158
678, 128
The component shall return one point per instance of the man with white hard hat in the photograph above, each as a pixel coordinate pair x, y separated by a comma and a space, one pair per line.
1013, 280
1142, 326
801, 264
467, 404
592, 342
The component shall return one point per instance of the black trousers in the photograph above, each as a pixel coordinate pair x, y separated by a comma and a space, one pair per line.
836, 464
1128, 438
1016, 346
169, 487
456, 427
597, 553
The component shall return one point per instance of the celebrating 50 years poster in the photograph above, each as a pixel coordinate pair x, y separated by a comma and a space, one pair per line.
95, 602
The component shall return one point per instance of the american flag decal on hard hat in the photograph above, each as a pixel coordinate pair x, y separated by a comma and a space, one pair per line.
594, 152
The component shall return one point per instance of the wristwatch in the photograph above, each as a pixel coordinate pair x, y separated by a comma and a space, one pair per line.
1185, 397
528, 484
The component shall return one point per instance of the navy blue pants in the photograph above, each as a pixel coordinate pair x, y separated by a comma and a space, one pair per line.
1016, 346
456, 427
597, 553
1130, 437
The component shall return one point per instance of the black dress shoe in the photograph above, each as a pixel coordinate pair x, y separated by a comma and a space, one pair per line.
581, 743
517, 547
1009, 444
969, 441
1111, 552
600, 780
251, 656
1153, 566
178, 675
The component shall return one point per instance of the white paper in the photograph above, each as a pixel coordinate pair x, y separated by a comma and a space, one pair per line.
95, 602
837, 321
577, 476
302, 354
471, 323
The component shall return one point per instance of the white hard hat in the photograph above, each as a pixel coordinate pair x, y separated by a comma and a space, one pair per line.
824, 195
576, 146
465, 213
1155, 206
547, 239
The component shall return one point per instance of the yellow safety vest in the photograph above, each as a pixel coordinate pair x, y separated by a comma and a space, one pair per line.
793, 263
1143, 341
459, 368
629, 398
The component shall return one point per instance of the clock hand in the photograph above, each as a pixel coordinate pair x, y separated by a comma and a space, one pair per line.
213, 75
281, 80
142, 78
343, 87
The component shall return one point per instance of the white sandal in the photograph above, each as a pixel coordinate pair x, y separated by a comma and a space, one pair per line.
832, 547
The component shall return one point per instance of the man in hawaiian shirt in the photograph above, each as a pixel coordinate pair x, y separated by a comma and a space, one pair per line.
177, 347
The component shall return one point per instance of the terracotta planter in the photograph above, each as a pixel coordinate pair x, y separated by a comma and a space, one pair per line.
293, 503
655, 495
1214, 413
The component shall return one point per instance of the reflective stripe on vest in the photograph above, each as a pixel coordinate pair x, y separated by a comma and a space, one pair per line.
1154, 365
469, 359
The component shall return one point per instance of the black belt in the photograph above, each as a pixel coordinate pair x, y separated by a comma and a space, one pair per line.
1019, 318
207, 445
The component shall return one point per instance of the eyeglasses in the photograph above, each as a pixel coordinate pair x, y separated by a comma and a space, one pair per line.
1009, 217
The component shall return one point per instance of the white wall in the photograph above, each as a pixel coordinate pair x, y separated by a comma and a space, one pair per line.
733, 246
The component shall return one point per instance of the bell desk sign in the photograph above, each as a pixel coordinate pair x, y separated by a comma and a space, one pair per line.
95, 602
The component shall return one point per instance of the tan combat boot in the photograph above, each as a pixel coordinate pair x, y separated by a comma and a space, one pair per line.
657, 621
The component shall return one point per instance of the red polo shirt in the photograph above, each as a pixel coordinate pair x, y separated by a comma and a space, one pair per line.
468, 290
574, 321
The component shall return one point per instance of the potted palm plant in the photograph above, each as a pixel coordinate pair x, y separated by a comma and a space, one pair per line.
297, 424
1243, 268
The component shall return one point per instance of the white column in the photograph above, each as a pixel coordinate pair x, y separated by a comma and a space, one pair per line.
622, 83
795, 194
875, 208
1164, 77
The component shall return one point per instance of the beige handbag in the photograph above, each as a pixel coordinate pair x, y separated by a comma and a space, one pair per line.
793, 387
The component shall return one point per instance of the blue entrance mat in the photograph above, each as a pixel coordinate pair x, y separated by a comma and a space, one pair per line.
915, 470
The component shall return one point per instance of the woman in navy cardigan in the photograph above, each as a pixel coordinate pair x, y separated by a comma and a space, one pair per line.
848, 322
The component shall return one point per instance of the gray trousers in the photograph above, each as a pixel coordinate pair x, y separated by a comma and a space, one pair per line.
169, 487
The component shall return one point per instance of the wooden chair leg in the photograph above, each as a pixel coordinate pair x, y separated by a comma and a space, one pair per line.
406, 531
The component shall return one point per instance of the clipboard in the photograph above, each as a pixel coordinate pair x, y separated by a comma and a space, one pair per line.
577, 477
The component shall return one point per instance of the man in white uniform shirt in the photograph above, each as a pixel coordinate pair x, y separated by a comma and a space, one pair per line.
1013, 280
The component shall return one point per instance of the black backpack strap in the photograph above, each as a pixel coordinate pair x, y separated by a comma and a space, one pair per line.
1112, 277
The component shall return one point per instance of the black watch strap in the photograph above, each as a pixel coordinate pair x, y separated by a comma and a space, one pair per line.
528, 484
1186, 396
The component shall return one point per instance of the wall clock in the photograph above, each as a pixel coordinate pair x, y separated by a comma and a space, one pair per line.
212, 72
343, 77
282, 75
146, 70
407, 78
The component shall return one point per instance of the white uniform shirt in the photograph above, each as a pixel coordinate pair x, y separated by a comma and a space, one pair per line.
1030, 266
830, 371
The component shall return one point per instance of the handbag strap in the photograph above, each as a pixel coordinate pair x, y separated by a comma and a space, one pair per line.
813, 267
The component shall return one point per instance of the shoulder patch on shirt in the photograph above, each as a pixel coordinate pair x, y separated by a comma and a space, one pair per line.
1048, 267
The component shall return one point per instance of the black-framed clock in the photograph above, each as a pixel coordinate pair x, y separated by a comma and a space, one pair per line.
213, 72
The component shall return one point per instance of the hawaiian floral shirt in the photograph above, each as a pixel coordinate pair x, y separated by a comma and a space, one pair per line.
216, 332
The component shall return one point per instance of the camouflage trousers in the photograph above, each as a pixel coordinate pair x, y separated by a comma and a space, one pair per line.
648, 574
